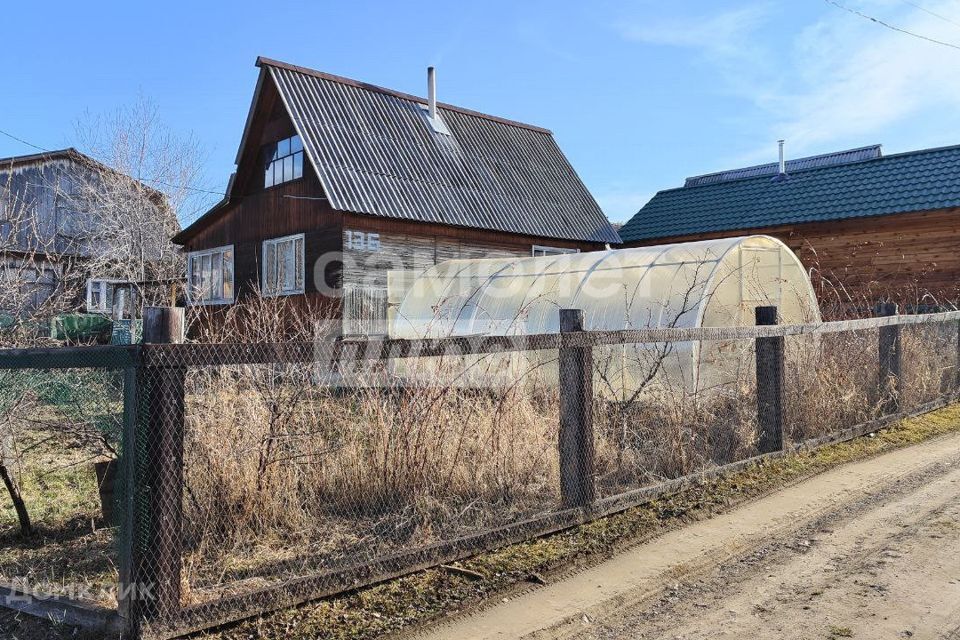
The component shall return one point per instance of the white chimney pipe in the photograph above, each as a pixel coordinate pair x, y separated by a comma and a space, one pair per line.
432, 92
783, 162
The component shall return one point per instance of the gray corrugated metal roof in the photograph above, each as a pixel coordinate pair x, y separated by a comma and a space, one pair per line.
797, 164
375, 152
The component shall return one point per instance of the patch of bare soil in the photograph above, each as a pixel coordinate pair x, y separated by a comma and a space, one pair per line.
18, 626
887, 568
865, 550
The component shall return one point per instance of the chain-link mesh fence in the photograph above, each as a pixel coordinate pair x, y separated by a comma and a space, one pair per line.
266, 475
61, 424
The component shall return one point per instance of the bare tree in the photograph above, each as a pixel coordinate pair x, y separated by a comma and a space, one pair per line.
109, 214
147, 176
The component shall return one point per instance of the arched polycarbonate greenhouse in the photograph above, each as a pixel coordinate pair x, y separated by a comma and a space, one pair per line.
712, 283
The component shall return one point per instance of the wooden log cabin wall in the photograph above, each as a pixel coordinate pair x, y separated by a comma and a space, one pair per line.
868, 227
912, 259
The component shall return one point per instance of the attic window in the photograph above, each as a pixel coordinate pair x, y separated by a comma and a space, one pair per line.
283, 161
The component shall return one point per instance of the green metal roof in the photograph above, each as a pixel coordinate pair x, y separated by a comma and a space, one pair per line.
914, 181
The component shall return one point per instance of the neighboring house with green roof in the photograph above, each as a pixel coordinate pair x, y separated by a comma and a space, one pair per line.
866, 225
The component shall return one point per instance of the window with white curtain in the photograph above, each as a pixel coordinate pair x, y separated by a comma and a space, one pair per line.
283, 266
210, 274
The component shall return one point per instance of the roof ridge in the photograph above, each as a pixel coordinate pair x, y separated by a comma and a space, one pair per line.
949, 147
822, 168
264, 61
52, 153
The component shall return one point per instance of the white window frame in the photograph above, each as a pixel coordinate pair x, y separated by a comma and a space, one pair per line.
212, 252
102, 285
301, 277
550, 251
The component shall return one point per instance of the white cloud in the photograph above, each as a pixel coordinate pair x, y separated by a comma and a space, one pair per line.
723, 33
726, 40
856, 78
841, 80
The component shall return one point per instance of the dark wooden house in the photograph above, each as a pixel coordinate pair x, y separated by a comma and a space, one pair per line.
867, 226
341, 186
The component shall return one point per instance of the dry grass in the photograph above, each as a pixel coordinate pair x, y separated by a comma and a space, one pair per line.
295, 469
286, 467
55, 425
416, 599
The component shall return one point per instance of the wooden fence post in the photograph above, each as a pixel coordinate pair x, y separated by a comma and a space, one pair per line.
158, 548
889, 374
769, 354
576, 417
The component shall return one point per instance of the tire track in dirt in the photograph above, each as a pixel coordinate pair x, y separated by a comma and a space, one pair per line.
624, 596
884, 568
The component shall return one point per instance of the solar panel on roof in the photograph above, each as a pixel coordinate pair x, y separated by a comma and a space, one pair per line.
798, 164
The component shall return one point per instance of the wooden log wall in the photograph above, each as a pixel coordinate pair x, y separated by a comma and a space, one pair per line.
910, 258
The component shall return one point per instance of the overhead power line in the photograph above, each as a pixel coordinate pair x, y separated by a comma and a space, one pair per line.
890, 26
153, 180
22, 141
932, 13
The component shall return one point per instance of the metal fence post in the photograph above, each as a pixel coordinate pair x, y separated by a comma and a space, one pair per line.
889, 346
576, 417
769, 354
158, 548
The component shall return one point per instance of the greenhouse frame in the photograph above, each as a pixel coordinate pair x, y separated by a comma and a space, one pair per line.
711, 283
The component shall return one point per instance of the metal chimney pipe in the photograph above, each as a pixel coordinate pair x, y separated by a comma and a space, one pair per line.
432, 92
783, 162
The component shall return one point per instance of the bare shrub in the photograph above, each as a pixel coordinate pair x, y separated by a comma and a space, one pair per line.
929, 359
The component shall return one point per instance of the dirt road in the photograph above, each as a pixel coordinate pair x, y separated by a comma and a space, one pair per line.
867, 550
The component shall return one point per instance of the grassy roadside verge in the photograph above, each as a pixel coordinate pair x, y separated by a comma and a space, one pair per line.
416, 599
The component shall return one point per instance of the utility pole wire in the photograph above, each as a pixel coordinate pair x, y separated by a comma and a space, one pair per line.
154, 180
22, 141
935, 15
890, 26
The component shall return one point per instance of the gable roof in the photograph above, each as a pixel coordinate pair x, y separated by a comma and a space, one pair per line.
375, 152
70, 153
915, 181
59, 154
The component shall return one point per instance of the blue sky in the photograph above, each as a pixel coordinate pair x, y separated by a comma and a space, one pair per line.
639, 94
